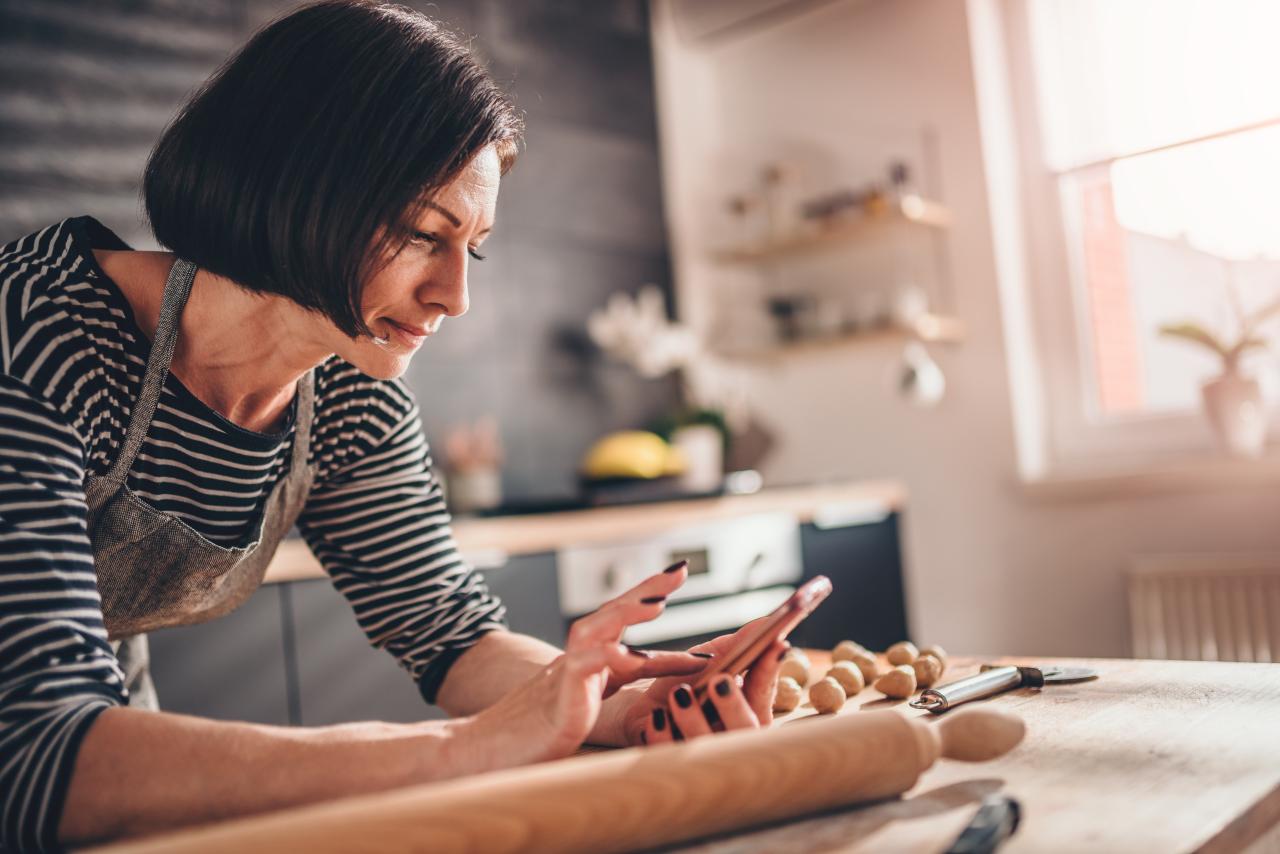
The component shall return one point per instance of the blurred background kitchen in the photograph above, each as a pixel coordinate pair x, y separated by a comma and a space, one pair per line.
974, 302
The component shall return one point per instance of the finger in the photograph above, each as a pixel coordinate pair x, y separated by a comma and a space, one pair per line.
644, 602
656, 664
715, 646
731, 705
657, 730
761, 680
686, 712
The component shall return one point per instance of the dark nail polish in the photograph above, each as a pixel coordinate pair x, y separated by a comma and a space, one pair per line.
684, 699
642, 653
653, 600
676, 733
713, 717
702, 655
677, 566
722, 687
659, 718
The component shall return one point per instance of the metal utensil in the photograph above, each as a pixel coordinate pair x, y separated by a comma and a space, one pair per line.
993, 679
993, 823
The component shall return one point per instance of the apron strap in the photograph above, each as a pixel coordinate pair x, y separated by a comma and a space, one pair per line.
176, 290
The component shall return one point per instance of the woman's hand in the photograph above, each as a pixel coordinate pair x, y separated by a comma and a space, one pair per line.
551, 714
668, 710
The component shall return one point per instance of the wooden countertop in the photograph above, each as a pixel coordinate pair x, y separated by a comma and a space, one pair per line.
1151, 756
482, 540
1161, 756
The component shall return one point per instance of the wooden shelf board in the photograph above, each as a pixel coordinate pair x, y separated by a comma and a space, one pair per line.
932, 329
911, 210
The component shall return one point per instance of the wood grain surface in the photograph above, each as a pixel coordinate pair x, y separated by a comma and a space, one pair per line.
626, 800
1167, 756
1152, 756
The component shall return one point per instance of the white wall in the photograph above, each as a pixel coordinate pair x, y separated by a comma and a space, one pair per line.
989, 569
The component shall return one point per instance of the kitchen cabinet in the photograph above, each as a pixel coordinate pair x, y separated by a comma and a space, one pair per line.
295, 654
232, 668
863, 559
340, 676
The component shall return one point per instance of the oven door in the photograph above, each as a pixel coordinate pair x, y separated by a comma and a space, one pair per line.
739, 569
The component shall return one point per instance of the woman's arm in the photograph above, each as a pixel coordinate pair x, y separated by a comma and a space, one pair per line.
140, 771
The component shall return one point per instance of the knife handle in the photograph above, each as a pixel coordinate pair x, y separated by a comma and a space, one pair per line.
988, 683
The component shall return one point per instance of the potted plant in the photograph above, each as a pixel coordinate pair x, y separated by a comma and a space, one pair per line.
1233, 400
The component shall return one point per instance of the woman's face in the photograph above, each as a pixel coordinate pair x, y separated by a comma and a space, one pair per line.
408, 299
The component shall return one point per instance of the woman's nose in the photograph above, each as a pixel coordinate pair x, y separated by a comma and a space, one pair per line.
447, 287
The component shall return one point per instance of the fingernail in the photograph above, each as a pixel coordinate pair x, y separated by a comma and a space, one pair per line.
642, 653
653, 600
684, 699
702, 655
659, 718
677, 566
722, 687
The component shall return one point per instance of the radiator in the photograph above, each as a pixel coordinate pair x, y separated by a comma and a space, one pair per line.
1206, 607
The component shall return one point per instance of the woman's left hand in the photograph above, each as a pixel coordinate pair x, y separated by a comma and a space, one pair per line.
669, 711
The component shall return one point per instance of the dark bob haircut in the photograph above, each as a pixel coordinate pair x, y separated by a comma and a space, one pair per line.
298, 166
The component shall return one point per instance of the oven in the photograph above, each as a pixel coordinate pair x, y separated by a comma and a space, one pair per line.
739, 569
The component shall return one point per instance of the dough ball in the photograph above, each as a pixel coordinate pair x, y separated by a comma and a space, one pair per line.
867, 663
787, 695
928, 670
937, 652
826, 695
849, 677
899, 683
846, 650
796, 665
902, 652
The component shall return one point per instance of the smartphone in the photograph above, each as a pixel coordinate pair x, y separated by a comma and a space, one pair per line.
739, 658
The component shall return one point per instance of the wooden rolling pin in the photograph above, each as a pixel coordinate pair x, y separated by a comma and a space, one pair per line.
628, 799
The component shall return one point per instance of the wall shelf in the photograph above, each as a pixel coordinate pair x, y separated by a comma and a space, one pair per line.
909, 210
930, 328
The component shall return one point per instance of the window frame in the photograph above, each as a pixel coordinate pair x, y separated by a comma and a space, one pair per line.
1077, 437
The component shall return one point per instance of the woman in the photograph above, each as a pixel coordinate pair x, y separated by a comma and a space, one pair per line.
167, 416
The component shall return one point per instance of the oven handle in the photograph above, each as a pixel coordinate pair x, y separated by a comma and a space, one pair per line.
705, 616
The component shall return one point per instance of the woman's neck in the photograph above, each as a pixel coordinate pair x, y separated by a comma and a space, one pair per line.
239, 352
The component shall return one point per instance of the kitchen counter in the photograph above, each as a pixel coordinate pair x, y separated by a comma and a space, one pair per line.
1152, 756
481, 539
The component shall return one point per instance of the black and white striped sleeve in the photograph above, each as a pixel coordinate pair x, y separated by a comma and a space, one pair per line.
381, 530
57, 669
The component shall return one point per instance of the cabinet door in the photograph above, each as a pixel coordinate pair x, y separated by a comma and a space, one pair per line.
864, 563
527, 585
232, 668
341, 677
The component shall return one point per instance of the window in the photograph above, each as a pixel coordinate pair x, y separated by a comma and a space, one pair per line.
1153, 167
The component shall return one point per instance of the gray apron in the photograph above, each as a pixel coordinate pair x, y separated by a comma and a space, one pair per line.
154, 570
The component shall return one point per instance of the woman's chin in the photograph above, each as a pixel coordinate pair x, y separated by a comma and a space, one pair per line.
380, 364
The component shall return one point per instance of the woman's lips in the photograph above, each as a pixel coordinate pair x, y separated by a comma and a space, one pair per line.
407, 336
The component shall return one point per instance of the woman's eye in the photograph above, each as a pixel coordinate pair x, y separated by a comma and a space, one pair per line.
474, 254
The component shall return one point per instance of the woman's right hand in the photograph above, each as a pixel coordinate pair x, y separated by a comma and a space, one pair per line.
550, 715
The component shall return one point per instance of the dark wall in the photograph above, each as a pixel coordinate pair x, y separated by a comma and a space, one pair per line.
87, 85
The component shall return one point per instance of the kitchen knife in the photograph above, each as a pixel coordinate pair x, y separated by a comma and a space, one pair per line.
993, 679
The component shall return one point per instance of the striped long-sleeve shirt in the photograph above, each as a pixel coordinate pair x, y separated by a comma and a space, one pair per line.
71, 365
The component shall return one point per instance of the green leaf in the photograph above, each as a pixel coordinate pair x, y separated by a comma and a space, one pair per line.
1195, 333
